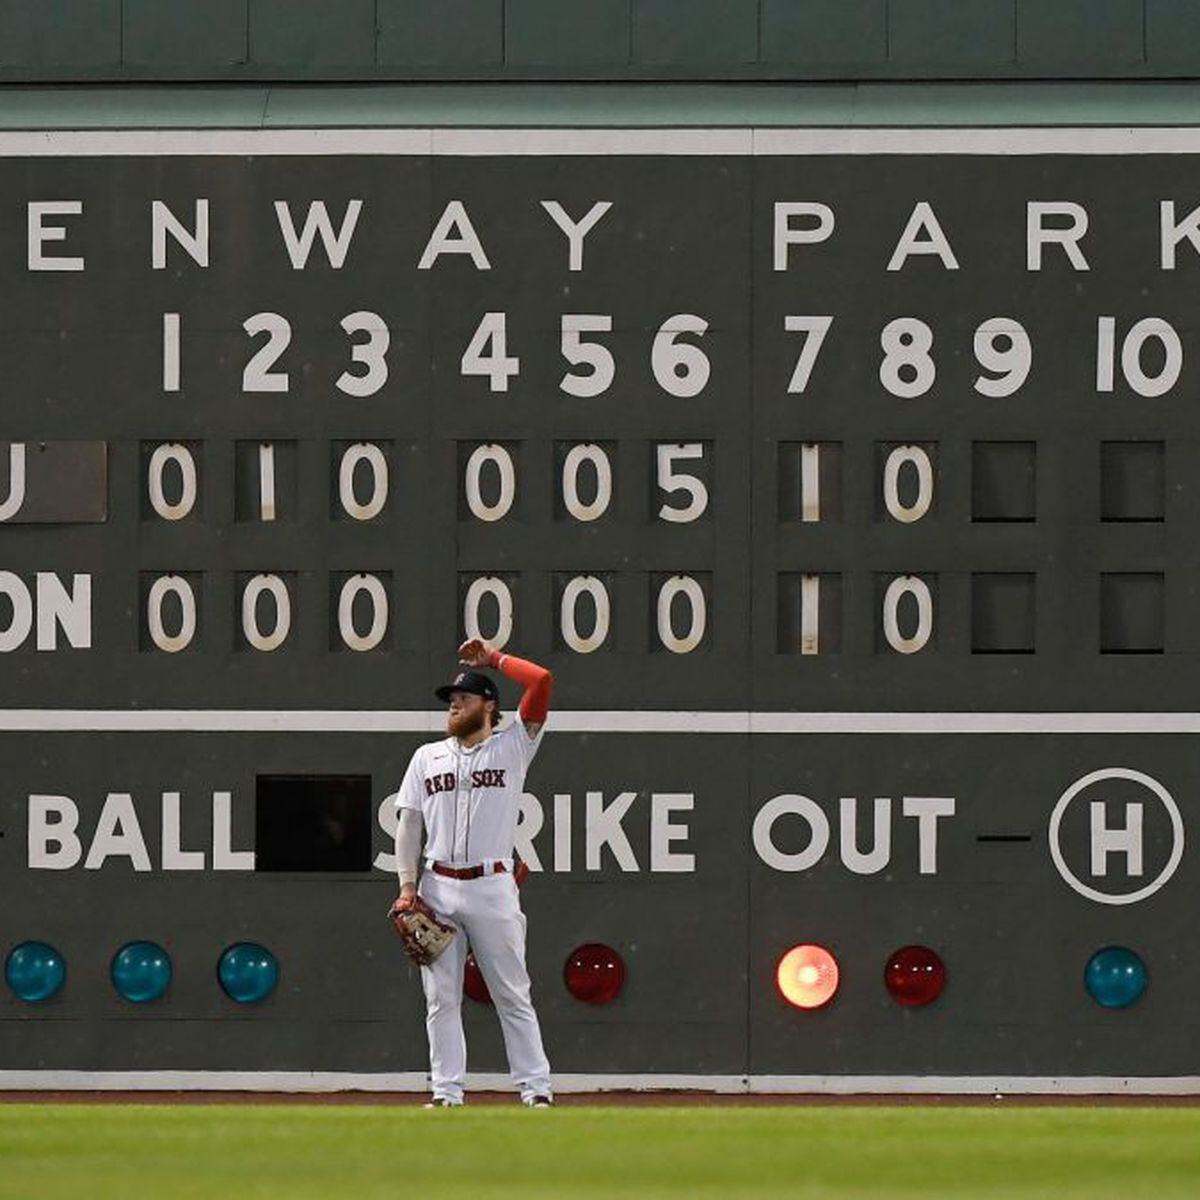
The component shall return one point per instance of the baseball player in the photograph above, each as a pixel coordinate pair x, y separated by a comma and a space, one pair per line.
465, 791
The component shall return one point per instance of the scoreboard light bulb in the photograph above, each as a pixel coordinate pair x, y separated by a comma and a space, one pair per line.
594, 973
807, 976
247, 972
914, 975
34, 971
1115, 977
141, 971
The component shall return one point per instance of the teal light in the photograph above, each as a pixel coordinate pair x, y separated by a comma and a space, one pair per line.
34, 971
1115, 977
141, 971
248, 972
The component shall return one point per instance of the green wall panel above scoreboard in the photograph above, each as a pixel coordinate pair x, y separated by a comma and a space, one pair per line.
319, 41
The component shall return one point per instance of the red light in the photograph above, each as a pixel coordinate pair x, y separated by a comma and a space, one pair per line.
914, 975
807, 976
473, 983
594, 973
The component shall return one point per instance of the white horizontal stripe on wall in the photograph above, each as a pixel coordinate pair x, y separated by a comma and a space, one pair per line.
219, 720
734, 141
417, 1081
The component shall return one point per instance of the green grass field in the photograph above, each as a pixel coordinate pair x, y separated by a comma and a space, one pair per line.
86, 1151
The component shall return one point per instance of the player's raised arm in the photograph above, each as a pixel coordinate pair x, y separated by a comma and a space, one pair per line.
537, 681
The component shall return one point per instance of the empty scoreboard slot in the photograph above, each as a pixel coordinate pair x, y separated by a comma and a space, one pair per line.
312, 823
1132, 476
1004, 481
1131, 613
1003, 612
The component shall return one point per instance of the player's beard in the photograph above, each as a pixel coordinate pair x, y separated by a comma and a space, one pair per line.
467, 723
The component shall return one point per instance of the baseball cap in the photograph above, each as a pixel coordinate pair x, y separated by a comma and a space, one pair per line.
475, 682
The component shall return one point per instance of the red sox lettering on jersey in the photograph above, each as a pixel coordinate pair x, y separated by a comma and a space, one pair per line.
489, 777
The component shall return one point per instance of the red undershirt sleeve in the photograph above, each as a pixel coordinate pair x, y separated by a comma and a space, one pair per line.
537, 681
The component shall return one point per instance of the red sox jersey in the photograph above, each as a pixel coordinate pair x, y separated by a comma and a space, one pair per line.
470, 796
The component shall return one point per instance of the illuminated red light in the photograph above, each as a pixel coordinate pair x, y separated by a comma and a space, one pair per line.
473, 983
594, 973
914, 975
807, 976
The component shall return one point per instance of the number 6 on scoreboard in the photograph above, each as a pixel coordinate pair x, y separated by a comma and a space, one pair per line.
816, 328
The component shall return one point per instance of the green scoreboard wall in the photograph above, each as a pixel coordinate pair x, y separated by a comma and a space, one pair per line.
845, 479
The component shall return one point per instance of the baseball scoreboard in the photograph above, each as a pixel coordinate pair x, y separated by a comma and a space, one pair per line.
850, 494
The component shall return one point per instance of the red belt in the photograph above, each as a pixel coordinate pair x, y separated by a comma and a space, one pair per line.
475, 872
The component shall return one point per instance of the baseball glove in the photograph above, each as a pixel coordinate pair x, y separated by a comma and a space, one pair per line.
424, 935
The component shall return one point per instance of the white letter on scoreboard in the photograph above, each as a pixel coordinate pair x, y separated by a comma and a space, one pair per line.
796, 806
225, 857
530, 819
663, 832
923, 221
1068, 237
1108, 839
15, 588
1173, 233
40, 234
174, 856
576, 231
299, 246
118, 834
57, 608
454, 234
15, 500
878, 857
928, 810
787, 235
604, 829
53, 821
164, 221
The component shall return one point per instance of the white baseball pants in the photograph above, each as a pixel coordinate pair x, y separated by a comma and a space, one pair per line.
488, 915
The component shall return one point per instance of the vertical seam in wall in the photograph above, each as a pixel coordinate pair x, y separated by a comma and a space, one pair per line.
1145, 40
887, 31
503, 32
121, 33
247, 46
751, 569
1016, 12
758, 31
629, 35
375, 36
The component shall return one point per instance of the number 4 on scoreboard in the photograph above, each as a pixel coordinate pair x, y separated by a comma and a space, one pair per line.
487, 354
815, 328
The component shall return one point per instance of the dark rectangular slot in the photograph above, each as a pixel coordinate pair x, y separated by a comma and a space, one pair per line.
1132, 481
1132, 613
1004, 481
1005, 837
312, 823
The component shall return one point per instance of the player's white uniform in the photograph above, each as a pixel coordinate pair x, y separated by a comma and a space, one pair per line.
469, 798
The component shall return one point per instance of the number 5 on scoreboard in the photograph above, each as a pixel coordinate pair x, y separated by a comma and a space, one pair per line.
816, 328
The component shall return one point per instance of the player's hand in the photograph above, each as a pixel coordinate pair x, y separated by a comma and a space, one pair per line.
475, 652
406, 900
